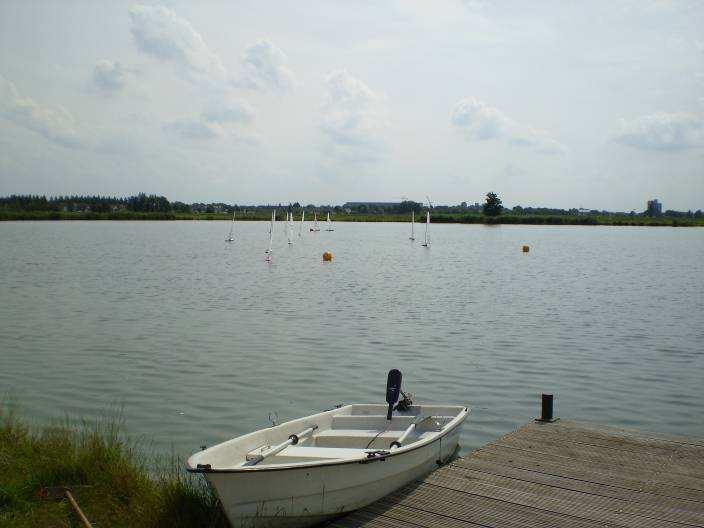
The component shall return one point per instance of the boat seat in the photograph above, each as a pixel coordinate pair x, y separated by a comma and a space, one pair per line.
370, 421
320, 452
374, 421
359, 438
358, 433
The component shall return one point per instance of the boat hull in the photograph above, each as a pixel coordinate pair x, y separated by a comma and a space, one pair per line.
306, 496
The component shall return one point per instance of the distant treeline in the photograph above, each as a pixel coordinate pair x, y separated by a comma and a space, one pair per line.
140, 203
153, 207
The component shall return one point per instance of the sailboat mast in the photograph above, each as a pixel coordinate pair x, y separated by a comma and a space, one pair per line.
300, 228
271, 229
427, 224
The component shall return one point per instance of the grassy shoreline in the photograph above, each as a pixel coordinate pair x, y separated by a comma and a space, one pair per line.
114, 480
440, 218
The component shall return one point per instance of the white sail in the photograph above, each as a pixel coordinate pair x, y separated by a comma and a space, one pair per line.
271, 232
315, 223
427, 225
230, 237
413, 220
328, 224
300, 228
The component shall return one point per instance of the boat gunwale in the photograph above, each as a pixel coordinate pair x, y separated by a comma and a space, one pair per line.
453, 424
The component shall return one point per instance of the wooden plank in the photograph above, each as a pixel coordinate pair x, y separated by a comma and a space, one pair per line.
555, 475
644, 437
470, 481
567, 482
645, 470
452, 506
369, 518
421, 517
567, 504
601, 440
591, 473
677, 461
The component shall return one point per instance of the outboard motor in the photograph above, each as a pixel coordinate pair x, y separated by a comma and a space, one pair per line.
393, 390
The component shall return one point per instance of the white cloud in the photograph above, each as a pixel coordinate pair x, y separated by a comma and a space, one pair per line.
265, 68
662, 131
164, 35
55, 124
230, 111
221, 119
193, 130
110, 76
353, 118
479, 121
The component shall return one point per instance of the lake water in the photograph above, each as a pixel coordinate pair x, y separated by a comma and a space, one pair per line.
201, 340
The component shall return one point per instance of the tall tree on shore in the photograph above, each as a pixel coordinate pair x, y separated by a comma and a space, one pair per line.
492, 206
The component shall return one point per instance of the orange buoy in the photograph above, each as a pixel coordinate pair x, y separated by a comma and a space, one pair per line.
526, 249
327, 256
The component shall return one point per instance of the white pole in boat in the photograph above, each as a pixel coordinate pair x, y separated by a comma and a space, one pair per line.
292, 440
398, 443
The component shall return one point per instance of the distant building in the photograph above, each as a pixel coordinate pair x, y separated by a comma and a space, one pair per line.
654, 208
371, 204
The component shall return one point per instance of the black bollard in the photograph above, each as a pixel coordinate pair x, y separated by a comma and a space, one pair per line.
546, 409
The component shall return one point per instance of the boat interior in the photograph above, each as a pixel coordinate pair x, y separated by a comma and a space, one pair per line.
346, 433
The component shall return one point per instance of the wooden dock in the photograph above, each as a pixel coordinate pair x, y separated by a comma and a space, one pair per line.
560, 474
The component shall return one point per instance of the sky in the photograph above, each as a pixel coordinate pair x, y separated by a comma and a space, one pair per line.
595, 104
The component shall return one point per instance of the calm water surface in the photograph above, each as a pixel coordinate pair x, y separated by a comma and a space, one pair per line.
200, 340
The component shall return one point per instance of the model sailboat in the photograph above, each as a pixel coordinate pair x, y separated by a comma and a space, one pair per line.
271, 236
413, 220
315, 223
289, 228
230, 237
426, 243
328, 224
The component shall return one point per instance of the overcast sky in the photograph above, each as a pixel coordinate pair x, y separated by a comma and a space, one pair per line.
564, 104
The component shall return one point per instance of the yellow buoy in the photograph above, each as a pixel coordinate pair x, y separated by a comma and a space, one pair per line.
327, 256
526, 249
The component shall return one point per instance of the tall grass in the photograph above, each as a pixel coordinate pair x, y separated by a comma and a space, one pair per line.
112, 478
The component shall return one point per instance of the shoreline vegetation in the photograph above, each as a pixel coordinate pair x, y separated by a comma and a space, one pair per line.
113, 479
153, 207
437, 217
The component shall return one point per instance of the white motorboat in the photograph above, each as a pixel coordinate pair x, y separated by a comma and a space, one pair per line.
305, 471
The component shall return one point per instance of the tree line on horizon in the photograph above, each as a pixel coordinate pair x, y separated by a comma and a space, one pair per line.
144, 203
